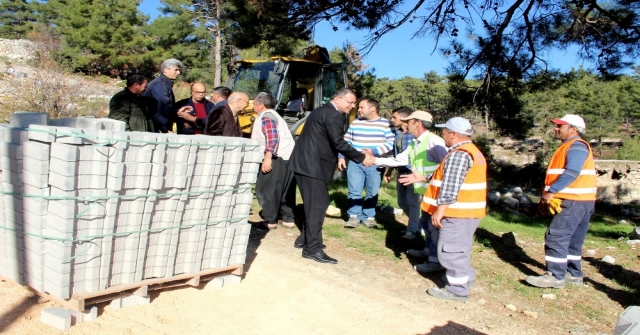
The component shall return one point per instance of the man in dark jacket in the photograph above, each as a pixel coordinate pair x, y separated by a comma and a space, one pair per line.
161, 89
223, 120
192, 112
130, 107
314, 159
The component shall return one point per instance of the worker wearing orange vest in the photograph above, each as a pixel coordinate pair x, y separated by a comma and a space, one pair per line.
456, 201
571, 177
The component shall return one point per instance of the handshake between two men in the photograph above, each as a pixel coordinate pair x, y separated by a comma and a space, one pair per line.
368, 161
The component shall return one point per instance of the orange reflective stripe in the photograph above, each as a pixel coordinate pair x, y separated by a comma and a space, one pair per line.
471, 201
584, 187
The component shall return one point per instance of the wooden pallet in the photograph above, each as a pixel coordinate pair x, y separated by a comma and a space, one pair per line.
79, 301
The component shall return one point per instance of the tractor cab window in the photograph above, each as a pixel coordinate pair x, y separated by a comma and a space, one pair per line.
253, 78
332, 80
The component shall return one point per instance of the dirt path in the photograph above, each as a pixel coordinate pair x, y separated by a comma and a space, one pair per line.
282, 293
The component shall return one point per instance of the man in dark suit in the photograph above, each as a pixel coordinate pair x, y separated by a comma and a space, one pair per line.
223, 120
314, 159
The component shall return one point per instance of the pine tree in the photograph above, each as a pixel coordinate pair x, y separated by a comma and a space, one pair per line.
16, 18
101, 36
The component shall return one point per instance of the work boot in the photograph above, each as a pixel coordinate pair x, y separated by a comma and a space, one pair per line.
353, 222
428, 267
443, 293
546, 280
409, 235
370, 223
573, 280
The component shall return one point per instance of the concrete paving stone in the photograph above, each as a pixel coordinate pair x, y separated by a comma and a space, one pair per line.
56, 317
67, 183
34, 283
138, 155
8, 165
13, 150
65, 152
243, 198
121, 139
5, 132
36, 166
24, 119
137, 169
93, 153
159, 156
115, 169
64, 122
176, 181
16, 178
36, 150
42, 133
215, 283
143, 140
227, 180
241, 240
35, 220
177, 156
91, 181
115, 183
251, 168
34, 179
69, 135
88, 123
240, 210
253, 157
231, 158
176, 169
114, 125
91, 209
97, 137
230, 169
93, 168
116, 303
88, 315
136, 182
36, 205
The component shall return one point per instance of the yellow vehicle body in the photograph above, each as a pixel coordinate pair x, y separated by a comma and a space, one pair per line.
299, 85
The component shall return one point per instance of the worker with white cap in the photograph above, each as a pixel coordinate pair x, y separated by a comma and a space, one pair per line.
456, 201
571, 178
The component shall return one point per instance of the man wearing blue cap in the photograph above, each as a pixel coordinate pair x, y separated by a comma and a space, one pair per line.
456, 201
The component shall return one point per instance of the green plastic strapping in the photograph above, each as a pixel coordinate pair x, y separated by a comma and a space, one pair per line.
98, 197
115, 140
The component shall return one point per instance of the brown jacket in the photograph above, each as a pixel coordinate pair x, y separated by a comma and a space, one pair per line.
221, 122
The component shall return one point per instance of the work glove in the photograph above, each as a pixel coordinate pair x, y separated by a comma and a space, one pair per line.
554, 206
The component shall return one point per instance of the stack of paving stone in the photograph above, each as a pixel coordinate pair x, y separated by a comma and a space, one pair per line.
86, 206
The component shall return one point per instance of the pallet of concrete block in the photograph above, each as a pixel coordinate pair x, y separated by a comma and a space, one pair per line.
101, 208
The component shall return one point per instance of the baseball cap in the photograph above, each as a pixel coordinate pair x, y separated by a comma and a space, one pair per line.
571, 119
419, 115
459, 125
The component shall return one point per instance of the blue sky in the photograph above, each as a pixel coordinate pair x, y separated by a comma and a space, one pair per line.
396, 55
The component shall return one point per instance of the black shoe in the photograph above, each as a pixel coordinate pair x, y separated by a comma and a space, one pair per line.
300, 245
319, 256
409, 235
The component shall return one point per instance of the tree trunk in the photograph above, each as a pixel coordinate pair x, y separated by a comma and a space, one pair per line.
486, 122
217, 74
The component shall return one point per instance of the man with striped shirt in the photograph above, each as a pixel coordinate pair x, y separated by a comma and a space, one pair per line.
368, 131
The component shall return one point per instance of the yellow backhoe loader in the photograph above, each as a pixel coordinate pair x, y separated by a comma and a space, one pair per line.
299, 85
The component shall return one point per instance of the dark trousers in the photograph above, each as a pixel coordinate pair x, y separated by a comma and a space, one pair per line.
315, 195
276, 192
565, 236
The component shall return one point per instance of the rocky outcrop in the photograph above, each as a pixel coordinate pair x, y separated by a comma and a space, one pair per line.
618, 182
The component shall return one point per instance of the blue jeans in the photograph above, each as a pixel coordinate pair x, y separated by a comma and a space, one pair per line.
409, 201
360, 177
